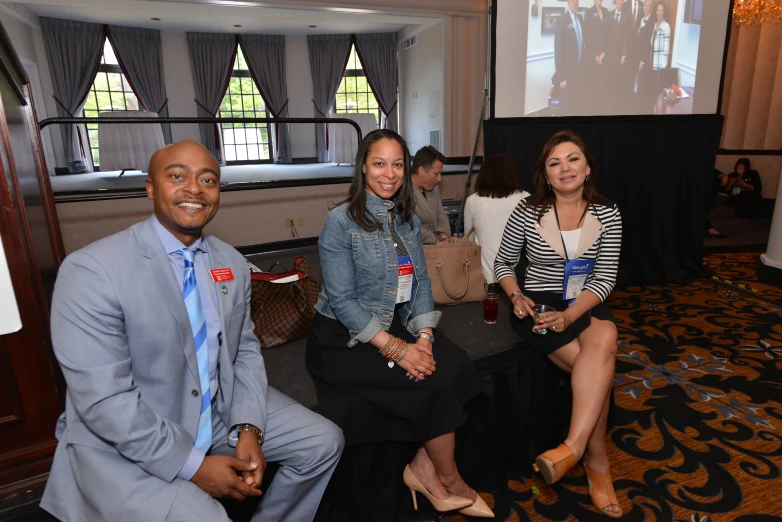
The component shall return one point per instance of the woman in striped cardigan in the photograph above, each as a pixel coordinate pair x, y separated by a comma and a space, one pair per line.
569, 221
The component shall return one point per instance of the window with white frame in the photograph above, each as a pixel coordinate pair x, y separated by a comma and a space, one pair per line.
244, 143
354, 94
109, 92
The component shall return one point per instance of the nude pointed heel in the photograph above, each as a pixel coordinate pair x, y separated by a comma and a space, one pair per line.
449, 504
479, 509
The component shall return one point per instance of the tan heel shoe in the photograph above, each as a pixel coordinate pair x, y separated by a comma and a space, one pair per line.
561, 457
601, 491
449, 504
478, 509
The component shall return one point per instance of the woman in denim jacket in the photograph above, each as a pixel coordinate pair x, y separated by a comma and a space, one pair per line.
370, 348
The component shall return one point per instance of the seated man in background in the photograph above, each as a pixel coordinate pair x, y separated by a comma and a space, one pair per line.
427, 172
168, 406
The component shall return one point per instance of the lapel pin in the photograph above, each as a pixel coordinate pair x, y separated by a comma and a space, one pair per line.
224, 290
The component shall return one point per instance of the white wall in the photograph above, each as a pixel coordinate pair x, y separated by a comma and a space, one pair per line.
179, 84
421, 85
299, 78
686, 52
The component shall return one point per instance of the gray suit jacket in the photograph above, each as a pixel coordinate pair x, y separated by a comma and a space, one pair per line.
122, 336
432, 215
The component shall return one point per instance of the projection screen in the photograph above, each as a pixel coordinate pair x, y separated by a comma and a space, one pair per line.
608, 57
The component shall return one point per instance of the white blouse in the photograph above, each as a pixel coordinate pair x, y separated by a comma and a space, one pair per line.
488, 217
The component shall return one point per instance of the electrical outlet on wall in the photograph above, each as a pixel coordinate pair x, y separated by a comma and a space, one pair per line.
301, 221
288, 222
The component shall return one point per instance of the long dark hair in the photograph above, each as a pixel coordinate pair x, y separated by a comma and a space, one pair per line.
546, 196
497, 178
357, 196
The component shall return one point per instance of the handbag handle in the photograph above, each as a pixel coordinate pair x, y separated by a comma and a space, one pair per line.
465, 264
284, 268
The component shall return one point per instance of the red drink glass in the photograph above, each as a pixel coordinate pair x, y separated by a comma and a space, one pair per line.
491, 304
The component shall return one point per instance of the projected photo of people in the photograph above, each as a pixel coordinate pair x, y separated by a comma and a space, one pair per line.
611, 57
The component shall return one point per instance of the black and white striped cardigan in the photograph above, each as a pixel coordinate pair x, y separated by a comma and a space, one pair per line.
601, 240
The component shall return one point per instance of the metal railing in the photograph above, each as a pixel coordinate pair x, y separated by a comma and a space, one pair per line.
74, 196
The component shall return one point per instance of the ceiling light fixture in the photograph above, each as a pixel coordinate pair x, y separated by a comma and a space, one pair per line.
155, 19
312, 26
237, 25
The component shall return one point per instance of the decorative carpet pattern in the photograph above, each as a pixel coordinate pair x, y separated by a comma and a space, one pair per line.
697, 431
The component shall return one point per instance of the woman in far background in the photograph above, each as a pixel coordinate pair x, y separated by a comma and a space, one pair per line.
497, 193
660, 49
744, 189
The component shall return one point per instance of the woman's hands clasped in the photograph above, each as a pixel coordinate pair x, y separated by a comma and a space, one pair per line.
419, 360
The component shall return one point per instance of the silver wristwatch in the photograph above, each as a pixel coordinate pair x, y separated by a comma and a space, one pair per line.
426, 335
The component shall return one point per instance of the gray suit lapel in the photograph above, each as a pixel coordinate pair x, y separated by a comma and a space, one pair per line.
159, 267
223, 303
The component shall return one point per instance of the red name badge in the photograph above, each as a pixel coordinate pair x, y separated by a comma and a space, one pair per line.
220, 275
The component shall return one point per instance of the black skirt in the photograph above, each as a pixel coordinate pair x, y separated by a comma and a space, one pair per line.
548, 343
374, 403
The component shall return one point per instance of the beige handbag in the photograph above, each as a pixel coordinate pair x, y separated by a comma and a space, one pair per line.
455, 271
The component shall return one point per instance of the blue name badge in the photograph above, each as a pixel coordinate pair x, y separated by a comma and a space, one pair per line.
576, 273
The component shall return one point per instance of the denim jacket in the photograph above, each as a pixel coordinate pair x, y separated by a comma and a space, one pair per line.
360, 274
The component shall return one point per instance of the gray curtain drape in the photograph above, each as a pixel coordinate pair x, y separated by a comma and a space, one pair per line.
378, 55
265, 56
73, 50
140, 53
212, 58
328, 58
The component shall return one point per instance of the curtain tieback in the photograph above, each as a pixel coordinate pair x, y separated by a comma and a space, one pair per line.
165, 103
218, 149
389, 111
78, 129
70, 114
327, 125
277, 126
202, 106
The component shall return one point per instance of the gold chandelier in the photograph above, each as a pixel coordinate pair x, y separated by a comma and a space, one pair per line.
751, 12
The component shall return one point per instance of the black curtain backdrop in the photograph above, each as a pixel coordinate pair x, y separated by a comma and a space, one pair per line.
658, 169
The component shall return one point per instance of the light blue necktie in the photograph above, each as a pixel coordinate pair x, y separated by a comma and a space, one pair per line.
578, 35
195, 312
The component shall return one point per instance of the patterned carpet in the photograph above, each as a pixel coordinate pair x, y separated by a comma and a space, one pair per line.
698, 421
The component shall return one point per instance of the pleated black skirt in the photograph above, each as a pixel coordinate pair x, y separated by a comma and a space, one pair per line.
374, 403
550, 342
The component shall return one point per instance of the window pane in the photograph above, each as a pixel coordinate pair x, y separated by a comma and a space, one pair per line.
243, 101
108, 53
101, 82
361, 84
241, 63
355, 94
115, 82
104, 101
131, 102
91, 104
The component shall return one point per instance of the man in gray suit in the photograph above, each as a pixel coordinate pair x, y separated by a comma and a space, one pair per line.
168, 406
427, 172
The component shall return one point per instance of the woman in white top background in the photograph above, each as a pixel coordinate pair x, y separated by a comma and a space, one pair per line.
570, 224
497, 193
